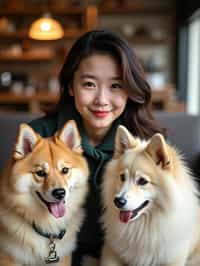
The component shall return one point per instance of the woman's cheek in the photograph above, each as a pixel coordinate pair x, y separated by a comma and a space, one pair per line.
83, 98
120, 101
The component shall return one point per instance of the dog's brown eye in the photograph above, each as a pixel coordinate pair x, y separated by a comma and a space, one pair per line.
142, 181
41, 173
122, 177
65, 170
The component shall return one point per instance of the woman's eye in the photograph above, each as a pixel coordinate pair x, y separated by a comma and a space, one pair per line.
122, 177
41, 173
142, 181
116, 86
89, 84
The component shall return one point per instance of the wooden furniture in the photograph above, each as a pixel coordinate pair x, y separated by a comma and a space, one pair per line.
33, 102
76, 20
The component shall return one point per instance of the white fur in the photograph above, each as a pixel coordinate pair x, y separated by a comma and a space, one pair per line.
166, 233
24, 183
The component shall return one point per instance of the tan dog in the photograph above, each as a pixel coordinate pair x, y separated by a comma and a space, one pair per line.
152, 212
41, 197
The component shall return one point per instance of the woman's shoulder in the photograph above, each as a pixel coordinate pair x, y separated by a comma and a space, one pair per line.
46, 125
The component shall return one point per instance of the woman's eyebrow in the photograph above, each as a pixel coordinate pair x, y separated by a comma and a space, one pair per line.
83, 76
86, 76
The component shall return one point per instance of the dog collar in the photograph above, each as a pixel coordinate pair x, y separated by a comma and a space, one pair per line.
52, 257
48, 235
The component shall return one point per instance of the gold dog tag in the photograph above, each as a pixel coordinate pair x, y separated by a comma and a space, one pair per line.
52, 257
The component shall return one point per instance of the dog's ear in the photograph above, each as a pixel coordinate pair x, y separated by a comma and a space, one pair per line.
123, 141
158, 150
70, 136
26, 140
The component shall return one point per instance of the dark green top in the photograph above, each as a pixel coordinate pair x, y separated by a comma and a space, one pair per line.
91, 236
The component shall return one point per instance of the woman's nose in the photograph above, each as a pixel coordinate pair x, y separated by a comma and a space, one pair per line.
101, 96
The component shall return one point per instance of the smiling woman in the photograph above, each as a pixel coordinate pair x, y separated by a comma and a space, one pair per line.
99, 94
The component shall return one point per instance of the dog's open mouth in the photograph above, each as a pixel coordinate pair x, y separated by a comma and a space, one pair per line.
126, 216
57, 209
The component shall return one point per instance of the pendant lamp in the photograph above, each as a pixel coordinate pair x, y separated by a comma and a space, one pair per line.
46, 28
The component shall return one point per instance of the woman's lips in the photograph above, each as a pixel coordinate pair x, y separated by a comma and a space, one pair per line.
100, 114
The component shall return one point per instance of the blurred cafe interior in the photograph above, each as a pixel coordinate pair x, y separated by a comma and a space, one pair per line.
164, 34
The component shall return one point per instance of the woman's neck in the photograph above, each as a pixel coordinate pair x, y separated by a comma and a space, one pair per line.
95, 136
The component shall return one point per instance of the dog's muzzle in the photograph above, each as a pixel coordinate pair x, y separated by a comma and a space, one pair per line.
127, 215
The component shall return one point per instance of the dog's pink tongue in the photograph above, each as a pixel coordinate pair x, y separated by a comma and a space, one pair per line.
125, 216
57, 209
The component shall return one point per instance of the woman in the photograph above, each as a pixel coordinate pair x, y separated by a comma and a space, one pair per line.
102, 85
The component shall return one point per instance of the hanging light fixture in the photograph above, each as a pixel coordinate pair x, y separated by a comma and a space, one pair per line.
46, 28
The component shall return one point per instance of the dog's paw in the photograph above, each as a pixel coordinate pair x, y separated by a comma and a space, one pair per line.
89, 261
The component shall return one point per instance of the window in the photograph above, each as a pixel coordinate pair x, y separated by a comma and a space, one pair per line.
193, 86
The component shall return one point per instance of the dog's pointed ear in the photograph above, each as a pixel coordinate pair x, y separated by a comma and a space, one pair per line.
123, 141
158, 150
70, 136
26, 140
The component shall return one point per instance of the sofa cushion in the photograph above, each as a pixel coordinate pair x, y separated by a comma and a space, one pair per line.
184, 134
9, 123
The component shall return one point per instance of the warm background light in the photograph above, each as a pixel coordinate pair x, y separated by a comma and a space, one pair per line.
46, 28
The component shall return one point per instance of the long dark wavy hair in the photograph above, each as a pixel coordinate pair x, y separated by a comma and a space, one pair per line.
137, 116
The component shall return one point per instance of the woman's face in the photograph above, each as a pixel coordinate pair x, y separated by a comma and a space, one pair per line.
99, 94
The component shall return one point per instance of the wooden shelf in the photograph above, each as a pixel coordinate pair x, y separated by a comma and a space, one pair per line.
23, 34
148, 40
20, 34
9, 97
33, 101
137, 9
163, 96
74, 33
35, 11
26, 57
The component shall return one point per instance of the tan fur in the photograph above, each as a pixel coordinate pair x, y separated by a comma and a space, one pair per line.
166, 230
20, 205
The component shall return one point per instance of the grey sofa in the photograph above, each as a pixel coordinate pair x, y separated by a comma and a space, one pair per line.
184, 133
9, 123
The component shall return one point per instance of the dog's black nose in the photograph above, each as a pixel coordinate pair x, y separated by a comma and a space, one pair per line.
59, 193
120, 202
